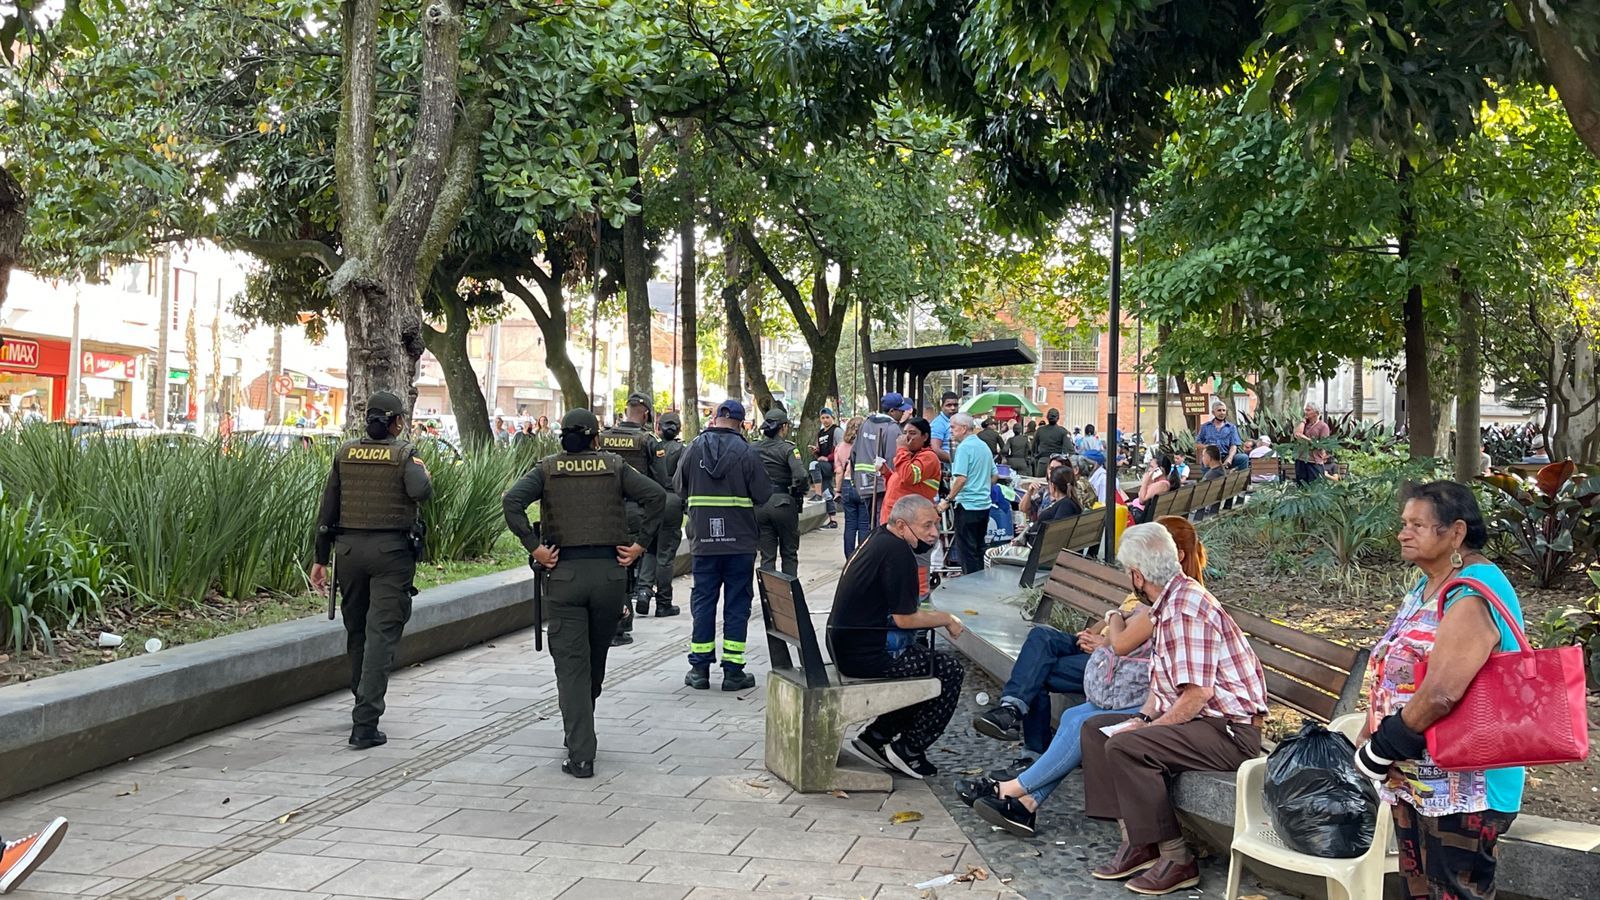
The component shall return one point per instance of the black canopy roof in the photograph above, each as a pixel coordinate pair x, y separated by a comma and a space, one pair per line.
906, 369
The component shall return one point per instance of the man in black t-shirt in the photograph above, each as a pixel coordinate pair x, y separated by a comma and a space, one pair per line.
870, 631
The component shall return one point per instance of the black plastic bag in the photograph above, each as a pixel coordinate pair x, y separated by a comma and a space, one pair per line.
1319, 804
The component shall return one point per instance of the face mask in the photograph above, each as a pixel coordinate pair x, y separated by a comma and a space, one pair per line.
924, 546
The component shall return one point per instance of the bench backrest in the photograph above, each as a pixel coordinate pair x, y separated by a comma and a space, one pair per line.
1072, 533
788, 621
1310, 674
1267, 465
1209, 493
1182, 500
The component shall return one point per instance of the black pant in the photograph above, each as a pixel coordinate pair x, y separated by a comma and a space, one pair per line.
1307, 471
375, 574
778, 524
920, 724
972, 527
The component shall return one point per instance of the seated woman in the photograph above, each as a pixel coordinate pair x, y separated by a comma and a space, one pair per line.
1063, 502
1160, 477
1014, 804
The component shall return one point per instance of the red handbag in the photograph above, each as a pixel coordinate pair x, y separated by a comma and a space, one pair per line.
1523, 708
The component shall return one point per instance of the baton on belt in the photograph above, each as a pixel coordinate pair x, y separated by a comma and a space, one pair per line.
538, 605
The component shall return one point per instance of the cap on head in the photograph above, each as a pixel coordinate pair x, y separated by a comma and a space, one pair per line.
671, 418
826, 411
385, 403
1096, 457
731, 409
777, 416
581, 420
636, 399
893, 400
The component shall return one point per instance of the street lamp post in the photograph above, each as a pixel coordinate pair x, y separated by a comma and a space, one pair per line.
1111, 381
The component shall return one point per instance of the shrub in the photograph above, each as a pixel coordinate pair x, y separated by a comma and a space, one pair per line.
464, 517
51, 577
1552, 518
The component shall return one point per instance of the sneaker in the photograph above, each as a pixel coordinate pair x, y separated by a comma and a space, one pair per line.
911, 763
578, 768
870, 747
831, 525
1003, 723
622, 638
737, 680
971, 790
1165, 877
19, 858
665, 608
699, 678
1008, 813
1016, 768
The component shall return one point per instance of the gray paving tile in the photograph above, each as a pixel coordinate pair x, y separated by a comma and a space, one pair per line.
708, 839
903, 854
488, 823
599, 832
776, 843
91, 857
652, 783
471, 859
396, 880
479, 844
496, 884
282, 872
589, 868
710, 862
391, 817
348, 850
605, 889
696, 877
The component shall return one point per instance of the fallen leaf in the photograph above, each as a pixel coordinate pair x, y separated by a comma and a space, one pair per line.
840, 794
132, 792
901, 818
284, 819
226, 800
969, 612
974, 873
978, 771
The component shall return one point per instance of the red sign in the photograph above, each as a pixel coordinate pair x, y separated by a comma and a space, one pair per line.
282, 385
20, 354
109, 365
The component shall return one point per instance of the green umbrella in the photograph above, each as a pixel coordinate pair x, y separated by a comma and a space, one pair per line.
986, 402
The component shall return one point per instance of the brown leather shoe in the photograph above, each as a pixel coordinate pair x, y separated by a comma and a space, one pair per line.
1130, 860
1165, 877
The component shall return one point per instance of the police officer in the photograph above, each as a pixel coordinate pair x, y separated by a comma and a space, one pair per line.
631, 439
779, 518
670, 535
585, 547
1048, 441
368, 521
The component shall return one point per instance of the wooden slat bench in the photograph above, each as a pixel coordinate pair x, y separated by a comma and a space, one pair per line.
1310, 674
809, 706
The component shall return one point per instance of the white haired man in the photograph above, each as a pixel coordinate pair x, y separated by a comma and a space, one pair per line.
972, 475
870, 630
1208, 696
1309, 466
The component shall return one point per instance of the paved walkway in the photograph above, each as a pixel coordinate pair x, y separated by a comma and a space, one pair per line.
467, 800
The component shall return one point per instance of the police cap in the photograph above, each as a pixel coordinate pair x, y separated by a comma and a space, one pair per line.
777, 416
671, 418
638, 399
580, 420
384, 403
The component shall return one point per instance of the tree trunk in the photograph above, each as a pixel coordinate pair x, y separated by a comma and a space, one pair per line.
689, 315
636, 265
869, 378
739, 279
1573, 72
1469, 387
1418, 402
460, 379
552, 323
275, 363
1574, 423
13, 224
825, 376
1358, 388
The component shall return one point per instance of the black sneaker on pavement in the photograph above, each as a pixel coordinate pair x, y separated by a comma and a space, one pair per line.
1008, 813
665, 608
622, 638
870, 747
1003, 723
739, 680
578, 768
911, 763
1017, 767
699, 678
971, 790
365, 737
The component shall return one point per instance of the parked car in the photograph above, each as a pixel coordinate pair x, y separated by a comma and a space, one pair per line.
282, 438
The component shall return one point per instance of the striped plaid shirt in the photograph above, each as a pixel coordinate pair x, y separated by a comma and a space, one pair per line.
1197, 642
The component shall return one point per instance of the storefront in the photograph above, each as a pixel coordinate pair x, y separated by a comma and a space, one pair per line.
108, 383
33, 376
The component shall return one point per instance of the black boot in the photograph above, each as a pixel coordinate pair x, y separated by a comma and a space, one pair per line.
699, 678
665, 608
365, 737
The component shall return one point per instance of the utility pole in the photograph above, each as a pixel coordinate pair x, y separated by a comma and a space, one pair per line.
75, 357
1111, 382
158, 372
491, 376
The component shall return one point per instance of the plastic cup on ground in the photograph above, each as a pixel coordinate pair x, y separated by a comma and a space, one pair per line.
109, 640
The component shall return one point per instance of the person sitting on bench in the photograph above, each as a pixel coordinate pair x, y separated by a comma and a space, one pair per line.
1054, 662
870, 632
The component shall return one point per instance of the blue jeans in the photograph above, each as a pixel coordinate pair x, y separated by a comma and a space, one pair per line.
731, 577
1241, 460
1065, 753
857, 518
1048, 662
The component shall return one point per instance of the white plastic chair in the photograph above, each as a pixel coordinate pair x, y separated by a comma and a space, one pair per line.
1360, 878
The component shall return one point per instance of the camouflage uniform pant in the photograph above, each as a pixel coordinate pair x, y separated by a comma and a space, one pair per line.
1449, 857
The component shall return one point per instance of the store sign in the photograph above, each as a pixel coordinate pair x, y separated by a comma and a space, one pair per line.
1195, 404
1080, 383
109, 365
19, 354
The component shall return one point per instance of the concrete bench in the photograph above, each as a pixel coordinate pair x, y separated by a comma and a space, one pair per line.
809, 706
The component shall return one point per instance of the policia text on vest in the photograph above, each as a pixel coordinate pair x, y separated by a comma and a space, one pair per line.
632, 439
585, 542
368, 526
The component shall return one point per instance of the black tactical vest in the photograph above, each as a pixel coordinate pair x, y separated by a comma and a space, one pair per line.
672, 451
372, 486
630, 444
775, 453
582, 501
